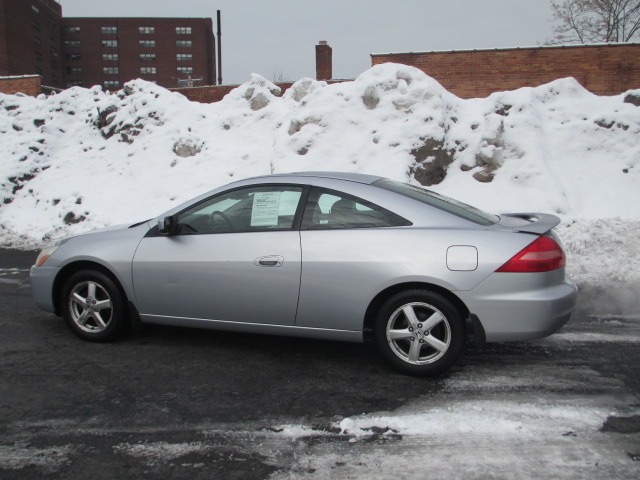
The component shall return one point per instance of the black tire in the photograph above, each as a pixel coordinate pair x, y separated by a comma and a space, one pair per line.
93, 306
411, 345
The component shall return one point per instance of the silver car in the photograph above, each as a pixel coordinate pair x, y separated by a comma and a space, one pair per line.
336, 256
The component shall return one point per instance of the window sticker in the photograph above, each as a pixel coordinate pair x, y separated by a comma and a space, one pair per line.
265, 209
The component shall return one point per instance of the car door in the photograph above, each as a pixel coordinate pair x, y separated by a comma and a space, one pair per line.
350, 247
234, 257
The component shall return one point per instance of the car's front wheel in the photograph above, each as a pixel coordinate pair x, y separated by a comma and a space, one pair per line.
419, 332
93, 306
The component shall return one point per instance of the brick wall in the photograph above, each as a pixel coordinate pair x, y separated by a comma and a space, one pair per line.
215, 93
29, 85
602, 69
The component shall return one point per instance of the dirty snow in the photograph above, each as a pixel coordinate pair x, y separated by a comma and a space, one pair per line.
86, 158
160, 451
21, 455
513, 436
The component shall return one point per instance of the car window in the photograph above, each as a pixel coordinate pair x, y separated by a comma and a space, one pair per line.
257, 208
329, 209
439, 201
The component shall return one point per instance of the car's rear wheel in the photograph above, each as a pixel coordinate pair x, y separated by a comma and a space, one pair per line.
93, 306
419, 332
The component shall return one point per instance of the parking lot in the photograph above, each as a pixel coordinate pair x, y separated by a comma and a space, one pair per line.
182, 403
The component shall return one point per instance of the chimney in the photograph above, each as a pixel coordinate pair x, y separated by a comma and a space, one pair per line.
324, 67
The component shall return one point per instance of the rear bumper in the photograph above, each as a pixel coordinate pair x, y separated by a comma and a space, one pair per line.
42, 279
514, 307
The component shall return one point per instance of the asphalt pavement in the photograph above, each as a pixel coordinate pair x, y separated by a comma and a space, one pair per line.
167, 402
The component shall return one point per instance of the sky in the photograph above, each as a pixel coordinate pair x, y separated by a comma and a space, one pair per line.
276, 38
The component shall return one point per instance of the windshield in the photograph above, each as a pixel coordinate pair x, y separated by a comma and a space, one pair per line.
439, 201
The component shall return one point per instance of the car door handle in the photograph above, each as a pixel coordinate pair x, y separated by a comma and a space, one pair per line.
269, 261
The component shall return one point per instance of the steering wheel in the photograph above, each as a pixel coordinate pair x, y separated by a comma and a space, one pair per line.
213, 224
185, 227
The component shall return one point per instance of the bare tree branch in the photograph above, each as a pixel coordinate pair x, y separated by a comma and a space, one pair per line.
594, 21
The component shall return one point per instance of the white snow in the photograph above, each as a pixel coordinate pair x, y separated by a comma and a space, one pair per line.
555, 148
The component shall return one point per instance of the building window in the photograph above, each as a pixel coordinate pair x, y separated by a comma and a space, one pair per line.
39, 71
110, 70
183, 30
147, 43
73, 57
110, 43
74, 83
35, 9
36, 41
148, 57
71, 29
111, 84
74, 70
183, 43
54, 64
109, 30
36, 25
109, 57
184, 57
54, 52
185, 70
148, 70
72, 43
146, 30
38, 57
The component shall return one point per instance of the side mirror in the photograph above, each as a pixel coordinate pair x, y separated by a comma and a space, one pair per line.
167, 225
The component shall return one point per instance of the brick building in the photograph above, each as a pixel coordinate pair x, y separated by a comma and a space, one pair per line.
602, 69
36, 39
30, 39
112, 51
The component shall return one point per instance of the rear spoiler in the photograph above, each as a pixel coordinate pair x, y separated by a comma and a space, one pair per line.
541, 223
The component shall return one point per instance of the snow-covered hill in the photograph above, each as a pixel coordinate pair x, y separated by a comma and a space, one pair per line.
85, 158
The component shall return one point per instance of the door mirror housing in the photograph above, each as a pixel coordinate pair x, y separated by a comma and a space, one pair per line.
167, 225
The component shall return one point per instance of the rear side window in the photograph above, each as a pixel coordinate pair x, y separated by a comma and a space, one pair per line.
330, 209
436, 200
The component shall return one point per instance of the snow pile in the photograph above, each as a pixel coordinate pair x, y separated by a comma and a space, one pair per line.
480, 417
86, 158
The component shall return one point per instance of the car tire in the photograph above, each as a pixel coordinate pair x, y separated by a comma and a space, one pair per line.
93, 306
419, 332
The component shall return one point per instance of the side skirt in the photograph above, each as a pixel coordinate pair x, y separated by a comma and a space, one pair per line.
245, 327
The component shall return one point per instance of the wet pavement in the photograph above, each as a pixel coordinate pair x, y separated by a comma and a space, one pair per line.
166, 402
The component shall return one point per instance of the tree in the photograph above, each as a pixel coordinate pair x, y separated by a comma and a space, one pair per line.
594, 21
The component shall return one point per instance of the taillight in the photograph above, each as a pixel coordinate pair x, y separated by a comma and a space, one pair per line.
543, 255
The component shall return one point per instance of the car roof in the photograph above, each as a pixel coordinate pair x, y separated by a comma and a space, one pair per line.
352, 177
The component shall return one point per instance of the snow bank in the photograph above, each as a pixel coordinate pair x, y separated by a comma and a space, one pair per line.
86, 158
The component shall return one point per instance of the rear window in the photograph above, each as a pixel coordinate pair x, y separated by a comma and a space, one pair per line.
439, 201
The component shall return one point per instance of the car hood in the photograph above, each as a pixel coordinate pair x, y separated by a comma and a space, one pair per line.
102, 231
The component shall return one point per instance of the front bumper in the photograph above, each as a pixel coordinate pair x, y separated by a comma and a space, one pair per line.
42, 279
